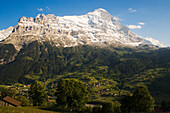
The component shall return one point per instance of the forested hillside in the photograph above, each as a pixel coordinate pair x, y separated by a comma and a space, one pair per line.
125, 67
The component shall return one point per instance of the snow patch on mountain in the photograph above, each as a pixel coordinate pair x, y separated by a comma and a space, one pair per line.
5, 33
154, 42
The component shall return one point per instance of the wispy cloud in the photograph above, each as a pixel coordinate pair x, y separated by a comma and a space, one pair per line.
134, 26
117, 18
39, 9
139, 26
132, 10
48, 8
141, 23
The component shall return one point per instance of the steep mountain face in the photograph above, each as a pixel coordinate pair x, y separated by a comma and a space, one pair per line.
97, 28
5, 33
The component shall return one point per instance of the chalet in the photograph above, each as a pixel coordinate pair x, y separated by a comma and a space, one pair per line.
8, 101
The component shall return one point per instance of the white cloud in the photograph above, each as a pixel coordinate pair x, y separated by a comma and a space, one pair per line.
141, 23
117, 18
39, 9
134, 26
132, 10
139, 26
48, 8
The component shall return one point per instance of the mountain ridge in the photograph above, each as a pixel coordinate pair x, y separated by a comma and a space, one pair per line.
97, 28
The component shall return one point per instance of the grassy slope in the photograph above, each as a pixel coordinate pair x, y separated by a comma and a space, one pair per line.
27, 110
31, 110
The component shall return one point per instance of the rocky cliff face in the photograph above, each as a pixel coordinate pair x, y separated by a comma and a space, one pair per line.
97, 28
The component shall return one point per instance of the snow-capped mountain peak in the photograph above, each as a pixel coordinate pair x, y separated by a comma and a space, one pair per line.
97, 28
99, 12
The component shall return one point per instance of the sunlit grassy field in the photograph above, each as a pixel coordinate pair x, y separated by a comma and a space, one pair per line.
28, 110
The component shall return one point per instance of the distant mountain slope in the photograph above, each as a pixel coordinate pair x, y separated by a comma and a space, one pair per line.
122, 69
97, 28
44, 60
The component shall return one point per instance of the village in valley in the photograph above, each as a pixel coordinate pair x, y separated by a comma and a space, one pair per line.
99, 90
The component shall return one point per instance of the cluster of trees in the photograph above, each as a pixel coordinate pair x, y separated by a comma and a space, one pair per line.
38, 94
7, 92
72, 95
140, 101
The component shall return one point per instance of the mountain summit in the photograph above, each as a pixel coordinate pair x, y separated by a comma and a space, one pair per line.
97, 28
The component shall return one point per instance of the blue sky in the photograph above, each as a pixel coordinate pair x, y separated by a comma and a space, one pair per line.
146, 17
